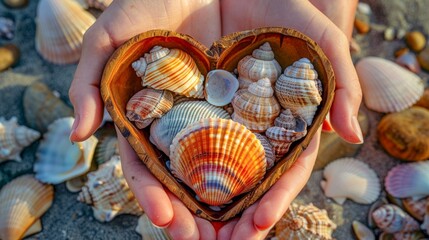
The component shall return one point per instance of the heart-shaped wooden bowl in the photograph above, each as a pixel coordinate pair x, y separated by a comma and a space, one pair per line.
119, 83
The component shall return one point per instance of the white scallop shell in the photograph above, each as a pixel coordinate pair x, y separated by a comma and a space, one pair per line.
408, 180
350, 178
386, 86
220, 87
149, 231
392, 219
58, 159
60, 26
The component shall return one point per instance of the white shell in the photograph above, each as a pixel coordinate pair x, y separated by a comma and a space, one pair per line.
408, 180
60, 26
149, 231
220, 87
386, 86
350, 178
57, 159
14, 138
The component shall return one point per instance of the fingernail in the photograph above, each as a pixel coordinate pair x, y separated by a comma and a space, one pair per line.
162, 226
261, 228
74, 126
358, 131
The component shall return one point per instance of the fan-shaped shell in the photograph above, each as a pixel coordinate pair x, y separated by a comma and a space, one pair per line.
148, 231
170, 69
108, 193
416, 207
22, 202
408, 180
218, 159
7, 27
299, 89
350, 178
14, 138
386, 86
220, 87
162, 131
303, 222
148, 104
405, 134
270, 157
60, 26
57, 159
392, 219
256, 107
106, 149
261, 64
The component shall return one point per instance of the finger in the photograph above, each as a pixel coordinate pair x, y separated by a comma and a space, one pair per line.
226, 231
327, 126
245, 227
205, 228
146, 188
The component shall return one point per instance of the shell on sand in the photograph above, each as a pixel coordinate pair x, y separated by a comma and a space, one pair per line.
392, 219
362, 232
416, 207
149, 231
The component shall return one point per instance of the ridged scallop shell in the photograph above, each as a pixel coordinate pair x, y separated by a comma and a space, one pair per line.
386, 86
299, 89
14, 138
60, 26
270, 157
106, 149
148, 104
350, 178
256, 107
57, 159
170, 69
392, 219
287, 129
302, 222
42, 107
362, 232
7, 27
408, 180
22, 202
218, 159
149, 231
220, 87
108, 193
259, 65
416, 207
162, 131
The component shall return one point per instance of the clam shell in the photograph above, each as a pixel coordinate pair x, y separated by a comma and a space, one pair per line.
162, 131
386, 86
149, 231
218, 159
405, 134
57, 159
408, 180
220, 87
392, 219
108, 193
270, 157
256, 107
148, 104
362, 232
60, 26
106, 149
14, 138
350, 178
42, 107
9, 56
303, 222
7, 28
22, 202
299, 89
170, 69
261, 64
416, 207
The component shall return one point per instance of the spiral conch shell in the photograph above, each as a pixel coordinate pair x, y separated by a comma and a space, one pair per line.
13, 138
170, 69
256, 107
259, 65
108, 193
392, 219
218, 158
299, 89
302, 222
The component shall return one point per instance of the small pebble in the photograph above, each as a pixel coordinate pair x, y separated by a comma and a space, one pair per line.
409, 61
361, 26
424, 100
423, 58
9, 56
15, 3
389, 34
400, 33
401, 51
415, 40
364, 8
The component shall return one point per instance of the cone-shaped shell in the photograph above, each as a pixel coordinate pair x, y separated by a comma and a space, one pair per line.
220, 87
22, 202
108, 193
57, 159
259, 65
42, 107
302, 222
60, 26
392, 219
408, 180
405, 134
148, 231
218, 159
148, 104
162, 131
256, 107
14, 138
386, 86
299, 89
350, 178
270, 157
170, 69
